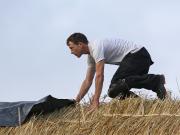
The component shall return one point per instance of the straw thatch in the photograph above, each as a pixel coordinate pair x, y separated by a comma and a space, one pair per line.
125, 117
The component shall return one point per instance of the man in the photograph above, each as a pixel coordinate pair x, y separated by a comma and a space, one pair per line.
133, 60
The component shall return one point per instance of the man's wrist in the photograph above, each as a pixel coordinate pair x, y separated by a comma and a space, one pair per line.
95, 98
77, 99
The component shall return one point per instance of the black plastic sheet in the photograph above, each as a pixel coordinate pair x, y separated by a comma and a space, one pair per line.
16, 113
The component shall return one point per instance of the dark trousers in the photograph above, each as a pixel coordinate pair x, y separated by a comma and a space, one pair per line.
134, 71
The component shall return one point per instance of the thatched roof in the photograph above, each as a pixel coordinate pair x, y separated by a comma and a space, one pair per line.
125, 117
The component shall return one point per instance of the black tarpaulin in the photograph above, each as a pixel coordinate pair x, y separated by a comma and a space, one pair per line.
15, 113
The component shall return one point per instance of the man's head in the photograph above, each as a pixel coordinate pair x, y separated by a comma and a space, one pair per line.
77, 43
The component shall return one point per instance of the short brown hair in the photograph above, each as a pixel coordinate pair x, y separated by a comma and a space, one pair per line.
76, 38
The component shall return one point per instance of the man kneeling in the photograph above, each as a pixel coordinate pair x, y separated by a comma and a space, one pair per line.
134, 62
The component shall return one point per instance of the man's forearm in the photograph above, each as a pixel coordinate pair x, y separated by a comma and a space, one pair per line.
98, 87
83, 90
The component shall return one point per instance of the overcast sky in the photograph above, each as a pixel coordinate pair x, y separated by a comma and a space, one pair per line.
34, 58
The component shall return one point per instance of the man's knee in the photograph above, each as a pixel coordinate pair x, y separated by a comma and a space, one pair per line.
119, 87
112, 92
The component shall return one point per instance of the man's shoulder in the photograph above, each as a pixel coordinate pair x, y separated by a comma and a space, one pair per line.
99, 42
104, 40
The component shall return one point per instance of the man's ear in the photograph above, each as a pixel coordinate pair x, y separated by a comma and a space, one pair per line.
80, 44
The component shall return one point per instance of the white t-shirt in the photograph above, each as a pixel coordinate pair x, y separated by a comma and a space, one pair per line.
112, 51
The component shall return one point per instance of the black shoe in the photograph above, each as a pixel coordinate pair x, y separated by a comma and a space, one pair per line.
161, 90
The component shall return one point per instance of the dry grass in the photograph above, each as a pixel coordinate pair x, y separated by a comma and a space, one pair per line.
127, 117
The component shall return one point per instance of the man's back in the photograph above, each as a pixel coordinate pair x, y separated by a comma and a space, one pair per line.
111, 50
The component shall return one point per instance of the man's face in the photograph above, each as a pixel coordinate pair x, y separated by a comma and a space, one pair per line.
76, 49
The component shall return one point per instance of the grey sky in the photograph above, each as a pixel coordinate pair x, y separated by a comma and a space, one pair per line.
34, 58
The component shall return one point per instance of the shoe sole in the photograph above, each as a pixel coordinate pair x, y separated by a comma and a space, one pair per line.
163, 81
